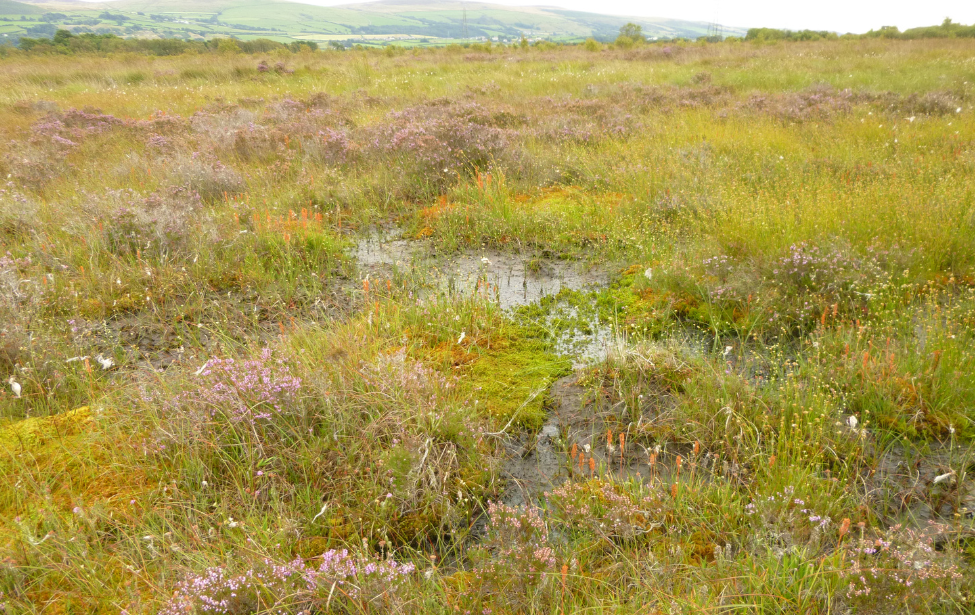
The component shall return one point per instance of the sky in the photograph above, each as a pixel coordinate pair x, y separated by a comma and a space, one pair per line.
835, 15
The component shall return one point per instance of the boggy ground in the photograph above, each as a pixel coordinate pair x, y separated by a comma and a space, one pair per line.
680, 329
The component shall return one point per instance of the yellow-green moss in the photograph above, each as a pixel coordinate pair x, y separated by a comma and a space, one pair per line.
511, 380
34, 432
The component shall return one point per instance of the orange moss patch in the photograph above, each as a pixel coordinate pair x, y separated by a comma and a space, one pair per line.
433, 212
66, 455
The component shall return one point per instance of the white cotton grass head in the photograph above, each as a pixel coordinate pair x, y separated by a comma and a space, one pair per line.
14, 386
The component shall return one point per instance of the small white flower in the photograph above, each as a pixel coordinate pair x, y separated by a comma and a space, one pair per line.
958, 110
910, 119
460, 339
485, 261
727, 351
852, 422
231, 523
648, 273
942, 478
105, 362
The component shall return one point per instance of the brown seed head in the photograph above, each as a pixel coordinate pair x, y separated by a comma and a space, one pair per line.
844, 528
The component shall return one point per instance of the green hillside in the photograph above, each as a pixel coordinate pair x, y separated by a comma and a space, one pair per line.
385, 22
9, 7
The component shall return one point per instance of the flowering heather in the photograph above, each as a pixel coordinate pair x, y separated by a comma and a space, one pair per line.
329, 147
158, 143
252, 391
599, 507
439, 141
9, 263
72, 127
902, 565
514, 558
340, 580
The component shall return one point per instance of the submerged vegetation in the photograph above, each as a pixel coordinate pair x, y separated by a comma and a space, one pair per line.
666, 329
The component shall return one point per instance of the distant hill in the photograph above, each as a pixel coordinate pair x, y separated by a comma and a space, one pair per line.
384, 22
9, 7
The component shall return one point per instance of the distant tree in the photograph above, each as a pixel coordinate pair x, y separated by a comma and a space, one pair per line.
889, 32
633, 32
592, 44
524, 43
303, 46
61, 37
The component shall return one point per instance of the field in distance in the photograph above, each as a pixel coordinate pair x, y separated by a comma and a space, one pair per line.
435, 21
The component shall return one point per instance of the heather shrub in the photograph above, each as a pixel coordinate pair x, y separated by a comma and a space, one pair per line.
329, 147
584, 122
342, 581
515, 564
431, 146
231, 411
159, 225
814, 104
930, 103
35, 164
606, 510
904, 566
18, 213
205, 175
237, 131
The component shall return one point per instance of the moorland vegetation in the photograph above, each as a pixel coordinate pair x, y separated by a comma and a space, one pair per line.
220, 401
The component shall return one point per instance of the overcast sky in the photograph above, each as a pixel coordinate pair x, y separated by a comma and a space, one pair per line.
837, 15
